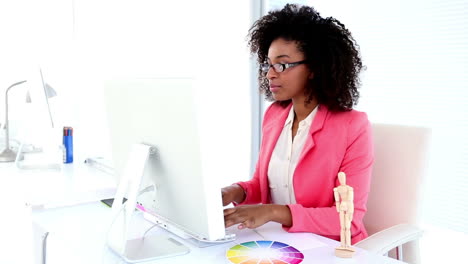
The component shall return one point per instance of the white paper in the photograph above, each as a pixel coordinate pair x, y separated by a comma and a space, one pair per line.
301, 241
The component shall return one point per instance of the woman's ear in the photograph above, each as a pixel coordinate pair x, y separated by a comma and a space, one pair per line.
311, 75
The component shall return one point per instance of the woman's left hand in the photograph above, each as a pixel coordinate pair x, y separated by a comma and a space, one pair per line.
253, 216
248, 216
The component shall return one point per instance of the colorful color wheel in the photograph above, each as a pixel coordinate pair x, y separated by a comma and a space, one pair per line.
263, 252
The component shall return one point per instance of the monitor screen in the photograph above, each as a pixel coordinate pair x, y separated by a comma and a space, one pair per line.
175, 186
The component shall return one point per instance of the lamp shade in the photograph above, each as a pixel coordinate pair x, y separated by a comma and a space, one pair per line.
49, 91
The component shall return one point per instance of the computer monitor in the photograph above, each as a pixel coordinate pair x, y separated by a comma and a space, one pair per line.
42, 91
40, 139
39, 123
175, 187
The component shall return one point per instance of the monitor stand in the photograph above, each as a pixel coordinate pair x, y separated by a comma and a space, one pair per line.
191, 238
143, 248
153, 247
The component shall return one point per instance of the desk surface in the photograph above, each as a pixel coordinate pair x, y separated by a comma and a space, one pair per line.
63, 203
77, 235
75, 183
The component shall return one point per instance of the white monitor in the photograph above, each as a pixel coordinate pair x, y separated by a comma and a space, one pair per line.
163, 113
39, 127
40, 142
40, 91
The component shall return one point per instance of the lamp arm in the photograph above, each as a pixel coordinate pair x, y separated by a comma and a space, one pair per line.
7, 134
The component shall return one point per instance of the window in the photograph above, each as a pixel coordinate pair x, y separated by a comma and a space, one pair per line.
416, 53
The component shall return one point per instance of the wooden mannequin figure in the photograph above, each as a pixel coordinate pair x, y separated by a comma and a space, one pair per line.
344, 196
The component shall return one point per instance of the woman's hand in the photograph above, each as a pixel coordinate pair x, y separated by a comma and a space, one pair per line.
253, 216
232, 193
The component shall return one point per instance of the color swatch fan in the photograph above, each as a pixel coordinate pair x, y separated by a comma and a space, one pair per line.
259, 252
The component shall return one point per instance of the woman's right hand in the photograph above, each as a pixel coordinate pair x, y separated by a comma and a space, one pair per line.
232, 193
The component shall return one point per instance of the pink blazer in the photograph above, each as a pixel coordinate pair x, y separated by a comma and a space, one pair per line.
338, 141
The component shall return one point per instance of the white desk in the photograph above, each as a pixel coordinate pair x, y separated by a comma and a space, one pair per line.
65, 205
77, 235
42, 188
75, 183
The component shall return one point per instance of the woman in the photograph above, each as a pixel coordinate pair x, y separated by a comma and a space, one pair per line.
309, 67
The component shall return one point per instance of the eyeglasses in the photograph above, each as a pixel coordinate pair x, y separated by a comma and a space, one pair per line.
279, 67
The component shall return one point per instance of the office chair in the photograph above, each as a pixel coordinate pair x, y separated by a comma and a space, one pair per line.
395, 195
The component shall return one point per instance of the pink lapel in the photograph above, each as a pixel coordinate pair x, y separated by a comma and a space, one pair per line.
317, 125
272, 130
271, 133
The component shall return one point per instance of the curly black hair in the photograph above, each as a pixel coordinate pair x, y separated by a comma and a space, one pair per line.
330, 50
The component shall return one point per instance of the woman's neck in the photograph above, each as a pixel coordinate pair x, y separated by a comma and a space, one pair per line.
302, 110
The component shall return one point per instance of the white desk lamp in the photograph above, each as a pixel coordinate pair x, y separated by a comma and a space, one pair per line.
7, 154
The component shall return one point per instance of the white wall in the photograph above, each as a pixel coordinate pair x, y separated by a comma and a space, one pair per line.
82, 43
416, 56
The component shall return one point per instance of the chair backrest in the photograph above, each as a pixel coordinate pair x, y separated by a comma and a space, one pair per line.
401, 155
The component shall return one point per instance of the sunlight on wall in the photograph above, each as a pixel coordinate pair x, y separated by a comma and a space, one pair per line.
416, 56
80, 44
